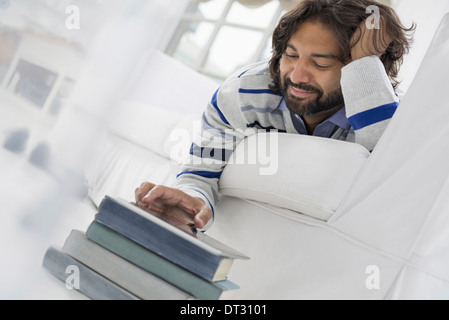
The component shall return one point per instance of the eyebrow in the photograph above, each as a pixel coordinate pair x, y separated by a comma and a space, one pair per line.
316, 55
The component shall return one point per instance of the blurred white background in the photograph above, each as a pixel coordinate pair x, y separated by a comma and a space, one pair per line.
65, 64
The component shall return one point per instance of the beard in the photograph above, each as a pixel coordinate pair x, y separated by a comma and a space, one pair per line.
302, 107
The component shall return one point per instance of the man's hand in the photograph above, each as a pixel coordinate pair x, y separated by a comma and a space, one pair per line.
173, 205
363, 41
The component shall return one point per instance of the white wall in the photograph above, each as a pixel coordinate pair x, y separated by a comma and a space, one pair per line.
165, 17
115, 57
113, 36
427, 15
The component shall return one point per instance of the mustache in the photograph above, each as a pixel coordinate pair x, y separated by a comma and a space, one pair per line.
303, 86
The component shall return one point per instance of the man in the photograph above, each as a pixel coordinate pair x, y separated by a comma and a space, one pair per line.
332, 74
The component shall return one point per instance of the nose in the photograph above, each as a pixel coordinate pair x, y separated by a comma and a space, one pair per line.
300, 72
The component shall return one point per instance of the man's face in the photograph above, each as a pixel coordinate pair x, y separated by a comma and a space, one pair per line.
310, 70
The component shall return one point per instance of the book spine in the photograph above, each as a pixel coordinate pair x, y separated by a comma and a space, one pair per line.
122, 272
172, 273
157, 239
92, 284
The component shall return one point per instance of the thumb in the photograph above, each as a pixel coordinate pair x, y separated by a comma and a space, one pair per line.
202, 217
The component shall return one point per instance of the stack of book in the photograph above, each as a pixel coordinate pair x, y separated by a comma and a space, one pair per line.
128, 253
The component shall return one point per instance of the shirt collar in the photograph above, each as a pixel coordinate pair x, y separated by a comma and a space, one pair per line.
339, 118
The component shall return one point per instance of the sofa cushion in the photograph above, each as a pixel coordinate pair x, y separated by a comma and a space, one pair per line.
306, 174
144, 125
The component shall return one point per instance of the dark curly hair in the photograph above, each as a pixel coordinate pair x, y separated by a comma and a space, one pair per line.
344, 17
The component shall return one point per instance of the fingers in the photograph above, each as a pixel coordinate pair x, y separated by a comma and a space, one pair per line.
202, 218
170, 197
163, 193
142, 191
386, 37
370, 41
173, 204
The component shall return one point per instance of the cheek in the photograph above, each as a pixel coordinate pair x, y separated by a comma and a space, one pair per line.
331, 82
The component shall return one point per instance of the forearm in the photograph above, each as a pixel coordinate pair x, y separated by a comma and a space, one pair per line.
369, 99
209, 153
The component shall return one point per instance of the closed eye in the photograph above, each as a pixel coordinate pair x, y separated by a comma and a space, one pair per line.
321, 67
291, 56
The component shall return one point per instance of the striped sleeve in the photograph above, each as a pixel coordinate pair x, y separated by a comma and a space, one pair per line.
211, 148
369, 99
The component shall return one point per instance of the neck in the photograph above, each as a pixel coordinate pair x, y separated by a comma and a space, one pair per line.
312, 121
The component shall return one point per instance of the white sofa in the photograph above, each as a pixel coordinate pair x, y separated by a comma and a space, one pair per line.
334, 222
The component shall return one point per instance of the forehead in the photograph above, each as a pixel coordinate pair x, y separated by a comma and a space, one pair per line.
313, 37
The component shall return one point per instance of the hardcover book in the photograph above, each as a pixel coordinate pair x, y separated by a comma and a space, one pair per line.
189, 282
198, 253
125, 274
90, 283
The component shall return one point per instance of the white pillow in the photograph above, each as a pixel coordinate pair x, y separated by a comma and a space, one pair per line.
306, 174
178, 142
164, 81
144, 125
